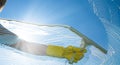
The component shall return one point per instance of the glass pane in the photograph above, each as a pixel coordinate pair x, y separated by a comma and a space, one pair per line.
44, 34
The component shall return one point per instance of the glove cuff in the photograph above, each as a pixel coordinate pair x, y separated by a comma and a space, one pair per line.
56, 51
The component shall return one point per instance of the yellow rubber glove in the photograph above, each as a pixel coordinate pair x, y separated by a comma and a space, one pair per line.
56, 51
72, 54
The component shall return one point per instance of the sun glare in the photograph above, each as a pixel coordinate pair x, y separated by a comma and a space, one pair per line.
29, 32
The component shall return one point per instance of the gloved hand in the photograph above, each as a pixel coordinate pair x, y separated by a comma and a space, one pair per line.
71, 53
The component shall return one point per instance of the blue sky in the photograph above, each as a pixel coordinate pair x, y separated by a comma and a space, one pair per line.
76, 13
